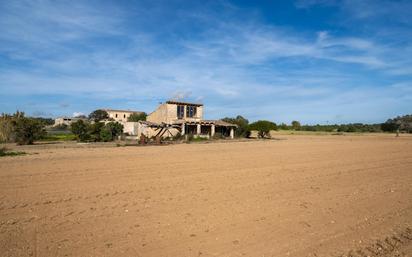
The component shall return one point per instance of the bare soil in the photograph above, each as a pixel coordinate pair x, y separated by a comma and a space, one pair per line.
301, 196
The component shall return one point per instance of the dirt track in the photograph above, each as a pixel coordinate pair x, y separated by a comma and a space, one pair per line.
304, 196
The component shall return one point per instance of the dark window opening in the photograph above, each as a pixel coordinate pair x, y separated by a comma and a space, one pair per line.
180, 111
205, 130
191, 129
191, 111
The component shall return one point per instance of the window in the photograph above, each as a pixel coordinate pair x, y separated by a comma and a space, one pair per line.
116, 115
180, 111
124, 116
191, 111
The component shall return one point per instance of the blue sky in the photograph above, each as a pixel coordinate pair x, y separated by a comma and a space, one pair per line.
316, 61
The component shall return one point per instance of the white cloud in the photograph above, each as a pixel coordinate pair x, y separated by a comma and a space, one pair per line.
77, 114
229, 61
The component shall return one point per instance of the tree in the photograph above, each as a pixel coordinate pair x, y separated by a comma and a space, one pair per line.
98, 115
94, 130
80, 129
296, 125
27, 130
242, 125
137, 116
401, 123
106, 134
283, 126
115, 128
263, 127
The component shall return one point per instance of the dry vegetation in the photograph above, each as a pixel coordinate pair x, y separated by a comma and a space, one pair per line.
303, 196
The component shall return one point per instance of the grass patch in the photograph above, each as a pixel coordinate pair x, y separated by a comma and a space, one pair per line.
59, 137
197, 139
5, 152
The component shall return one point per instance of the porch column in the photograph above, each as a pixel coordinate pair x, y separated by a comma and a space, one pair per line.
212, 130
232, 133
183, 129
198, 129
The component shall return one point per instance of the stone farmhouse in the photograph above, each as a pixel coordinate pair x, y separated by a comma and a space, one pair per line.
187, 118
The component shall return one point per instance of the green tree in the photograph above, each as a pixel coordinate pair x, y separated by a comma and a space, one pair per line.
106, 134
94, 131
27, 130
115, 128
242, 125
296, 125
80, 129
263, 127
137, 116
283, 126
401, 123
98, 115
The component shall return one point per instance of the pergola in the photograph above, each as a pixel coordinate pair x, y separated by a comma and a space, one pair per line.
198, 125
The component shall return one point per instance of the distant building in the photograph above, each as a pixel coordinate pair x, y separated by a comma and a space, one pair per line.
65, 121
120, 115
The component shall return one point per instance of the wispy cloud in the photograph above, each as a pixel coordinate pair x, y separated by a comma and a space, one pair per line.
108, 55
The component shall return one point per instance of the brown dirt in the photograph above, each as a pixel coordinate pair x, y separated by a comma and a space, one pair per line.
303, 196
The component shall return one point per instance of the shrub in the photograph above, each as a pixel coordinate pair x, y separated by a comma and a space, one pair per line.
106, 134
27, 130
115, 128
94, 130
5, 152
242, 125
80, 129
296, 125
283, 126
7, 126
20, 129
263, 127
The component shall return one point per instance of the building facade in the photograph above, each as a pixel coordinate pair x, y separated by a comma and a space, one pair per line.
120, 115
65, 121
188, 117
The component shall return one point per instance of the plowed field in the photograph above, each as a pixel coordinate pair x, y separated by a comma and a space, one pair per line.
299, 196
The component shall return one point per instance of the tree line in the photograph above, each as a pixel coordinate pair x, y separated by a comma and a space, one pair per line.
98, 127
263, 127
20, 129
